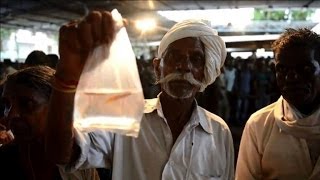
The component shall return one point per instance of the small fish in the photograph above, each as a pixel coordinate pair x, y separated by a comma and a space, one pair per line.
118, 96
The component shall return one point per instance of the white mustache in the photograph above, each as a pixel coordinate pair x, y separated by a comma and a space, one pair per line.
178, 76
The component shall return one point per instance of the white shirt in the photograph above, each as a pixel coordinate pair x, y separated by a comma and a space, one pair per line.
204, 149
275, 148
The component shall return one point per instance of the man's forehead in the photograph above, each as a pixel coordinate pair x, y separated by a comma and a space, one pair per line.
184, 43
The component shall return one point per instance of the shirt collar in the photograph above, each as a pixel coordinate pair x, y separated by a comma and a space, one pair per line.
198, 115
203, 118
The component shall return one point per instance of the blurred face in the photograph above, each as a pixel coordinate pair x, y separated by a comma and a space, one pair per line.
182, 68
298, 76
25, 111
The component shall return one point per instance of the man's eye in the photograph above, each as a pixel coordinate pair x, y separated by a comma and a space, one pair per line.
197, 60
28, 103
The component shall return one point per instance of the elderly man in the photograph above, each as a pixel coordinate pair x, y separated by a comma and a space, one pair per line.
282, 140
177, 140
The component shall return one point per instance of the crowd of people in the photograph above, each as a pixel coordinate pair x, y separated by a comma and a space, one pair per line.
198, 91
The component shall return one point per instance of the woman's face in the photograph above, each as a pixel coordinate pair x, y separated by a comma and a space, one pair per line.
25, 111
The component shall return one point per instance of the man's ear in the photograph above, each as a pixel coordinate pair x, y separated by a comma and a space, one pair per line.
156, 68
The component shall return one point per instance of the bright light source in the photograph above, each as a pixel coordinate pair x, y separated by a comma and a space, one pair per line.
238, 17
151, 5
244, 38
145, 24
260, 52
316, 28
316, 15
243, 55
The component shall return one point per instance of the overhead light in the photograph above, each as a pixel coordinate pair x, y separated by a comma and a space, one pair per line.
145, 24
151, 4
239, 17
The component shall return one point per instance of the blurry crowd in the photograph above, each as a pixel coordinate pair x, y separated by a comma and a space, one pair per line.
35, 58
244, 86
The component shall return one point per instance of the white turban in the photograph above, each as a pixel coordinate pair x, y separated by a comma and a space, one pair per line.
215, 48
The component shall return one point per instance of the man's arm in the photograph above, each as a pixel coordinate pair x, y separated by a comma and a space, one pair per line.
249, 158
76, 41
60, 144
229, 171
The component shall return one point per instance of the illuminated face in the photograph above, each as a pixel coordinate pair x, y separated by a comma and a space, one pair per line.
181, 70
298, 76
25, 111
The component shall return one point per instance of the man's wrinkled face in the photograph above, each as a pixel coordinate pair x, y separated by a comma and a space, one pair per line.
25, 111
298, 75
182, 68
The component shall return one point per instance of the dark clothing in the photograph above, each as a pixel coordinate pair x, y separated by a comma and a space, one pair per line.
12, 166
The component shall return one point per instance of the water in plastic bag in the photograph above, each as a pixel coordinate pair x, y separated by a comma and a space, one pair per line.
109, 94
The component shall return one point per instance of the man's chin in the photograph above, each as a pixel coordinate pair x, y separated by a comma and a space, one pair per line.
181, 97
295, 101
180, 89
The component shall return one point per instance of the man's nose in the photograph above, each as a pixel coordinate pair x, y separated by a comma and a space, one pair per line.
291, 75
183, 64
12, 112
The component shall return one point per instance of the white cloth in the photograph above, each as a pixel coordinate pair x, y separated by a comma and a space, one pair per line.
298, 124
215, 48
204, 149
270, 151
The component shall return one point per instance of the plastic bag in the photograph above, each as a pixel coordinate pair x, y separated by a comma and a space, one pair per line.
109, 94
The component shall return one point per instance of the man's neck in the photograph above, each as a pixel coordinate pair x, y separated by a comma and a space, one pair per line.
175, 107
177, 112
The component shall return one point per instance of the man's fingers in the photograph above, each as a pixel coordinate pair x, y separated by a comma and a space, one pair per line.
95, 20
81, 36
108, 27
74, 22
68, 37
2, 127
4, 137
85, 36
